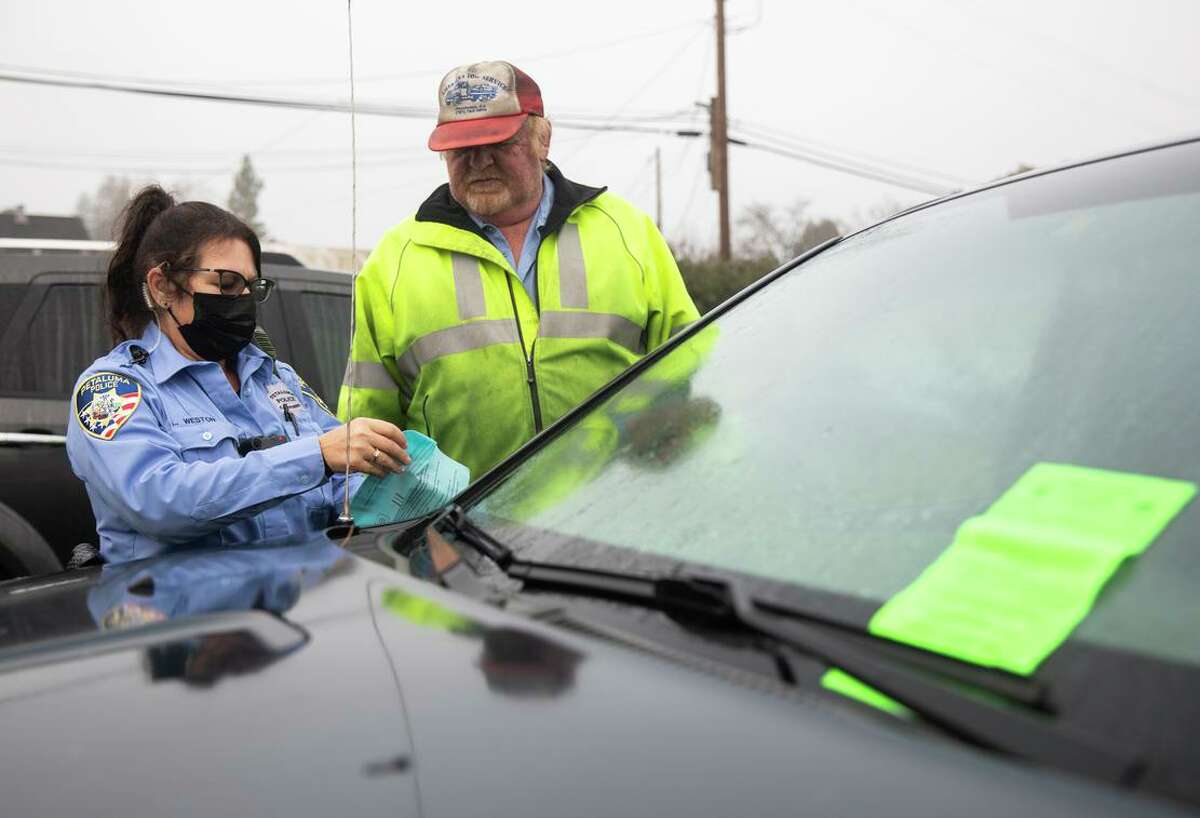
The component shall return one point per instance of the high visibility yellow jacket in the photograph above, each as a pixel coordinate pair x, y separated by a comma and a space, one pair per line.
448, 341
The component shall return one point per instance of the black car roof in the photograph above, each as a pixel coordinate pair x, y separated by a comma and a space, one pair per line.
1029, 174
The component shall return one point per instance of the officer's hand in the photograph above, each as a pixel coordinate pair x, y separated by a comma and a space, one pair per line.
376, 447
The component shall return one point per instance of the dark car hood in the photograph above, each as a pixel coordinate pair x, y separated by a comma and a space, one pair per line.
401, 698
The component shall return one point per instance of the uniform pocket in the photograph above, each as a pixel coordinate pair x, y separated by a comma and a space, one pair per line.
208, 443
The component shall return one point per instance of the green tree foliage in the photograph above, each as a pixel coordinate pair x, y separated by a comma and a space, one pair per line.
710, 280
243, 199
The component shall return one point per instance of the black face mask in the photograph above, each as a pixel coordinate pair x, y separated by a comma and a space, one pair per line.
221, 325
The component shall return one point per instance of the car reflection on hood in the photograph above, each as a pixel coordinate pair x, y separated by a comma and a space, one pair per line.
195, 583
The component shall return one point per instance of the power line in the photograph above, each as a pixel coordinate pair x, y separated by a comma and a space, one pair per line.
878, 175
586, 48
201, 170
833, 153
639, 180
613, 124
26, 150
287, 134
570, 52
631, 124
40, 152
413, 112
691, 198
222, 92
671, 60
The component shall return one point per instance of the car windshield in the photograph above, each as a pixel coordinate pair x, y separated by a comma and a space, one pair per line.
834, 429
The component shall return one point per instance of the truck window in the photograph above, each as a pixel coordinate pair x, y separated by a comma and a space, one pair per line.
66, 333
327, 319
10, 299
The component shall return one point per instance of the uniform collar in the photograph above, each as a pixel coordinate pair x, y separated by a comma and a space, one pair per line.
166, 361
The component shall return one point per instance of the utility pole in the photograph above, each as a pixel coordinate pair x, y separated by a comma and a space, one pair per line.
658, 188
720, 138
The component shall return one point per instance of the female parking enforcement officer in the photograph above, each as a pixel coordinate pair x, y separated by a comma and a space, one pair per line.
187, 434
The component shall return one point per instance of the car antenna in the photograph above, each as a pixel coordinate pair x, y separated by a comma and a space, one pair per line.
346, 518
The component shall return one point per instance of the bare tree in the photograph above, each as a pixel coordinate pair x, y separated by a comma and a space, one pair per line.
782, 235
190, 190
877, 212
100, 211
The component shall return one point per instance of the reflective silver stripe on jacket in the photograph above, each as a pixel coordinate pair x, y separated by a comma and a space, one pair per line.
461, 338
572, 275
616, 328
368, 375
468, 286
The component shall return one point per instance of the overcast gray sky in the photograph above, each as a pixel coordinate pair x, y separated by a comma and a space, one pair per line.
968, 88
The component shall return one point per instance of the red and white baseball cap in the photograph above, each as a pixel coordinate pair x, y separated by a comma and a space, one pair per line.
483, 103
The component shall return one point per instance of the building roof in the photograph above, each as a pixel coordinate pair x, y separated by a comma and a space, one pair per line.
17, 224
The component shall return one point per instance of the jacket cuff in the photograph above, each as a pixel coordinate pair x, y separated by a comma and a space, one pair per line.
296, 466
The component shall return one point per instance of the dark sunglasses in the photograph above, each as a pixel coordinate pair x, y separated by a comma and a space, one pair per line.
233, 283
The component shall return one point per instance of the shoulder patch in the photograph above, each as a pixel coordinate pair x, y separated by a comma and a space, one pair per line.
104, 402
128, 615
308, 390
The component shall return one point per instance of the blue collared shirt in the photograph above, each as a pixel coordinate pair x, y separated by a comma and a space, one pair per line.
156, 445
533, 239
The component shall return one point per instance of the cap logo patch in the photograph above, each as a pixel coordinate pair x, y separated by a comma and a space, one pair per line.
104, 402
462, 93
478, 91
484, 103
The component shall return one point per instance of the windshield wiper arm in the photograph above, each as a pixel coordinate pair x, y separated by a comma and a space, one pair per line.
1028, 692
725, 601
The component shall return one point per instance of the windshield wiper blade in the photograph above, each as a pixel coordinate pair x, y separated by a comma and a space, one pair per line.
1025, 691
725, 601
1011, 731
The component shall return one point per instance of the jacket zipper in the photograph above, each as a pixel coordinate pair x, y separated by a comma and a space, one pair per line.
530, 377
425, 417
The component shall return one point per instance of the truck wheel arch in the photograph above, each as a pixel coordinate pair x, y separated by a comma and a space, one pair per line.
23, 551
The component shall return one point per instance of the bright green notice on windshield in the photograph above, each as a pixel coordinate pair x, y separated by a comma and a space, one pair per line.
1020, 577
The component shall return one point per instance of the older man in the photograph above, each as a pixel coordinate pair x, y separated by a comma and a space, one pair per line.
513, 292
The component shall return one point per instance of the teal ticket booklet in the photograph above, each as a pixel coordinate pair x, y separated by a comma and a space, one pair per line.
425, 485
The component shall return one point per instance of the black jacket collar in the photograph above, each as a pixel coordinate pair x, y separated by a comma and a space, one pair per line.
441, 206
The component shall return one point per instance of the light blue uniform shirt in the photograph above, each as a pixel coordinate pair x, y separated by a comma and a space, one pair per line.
197, 581
156, 445
533, 239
